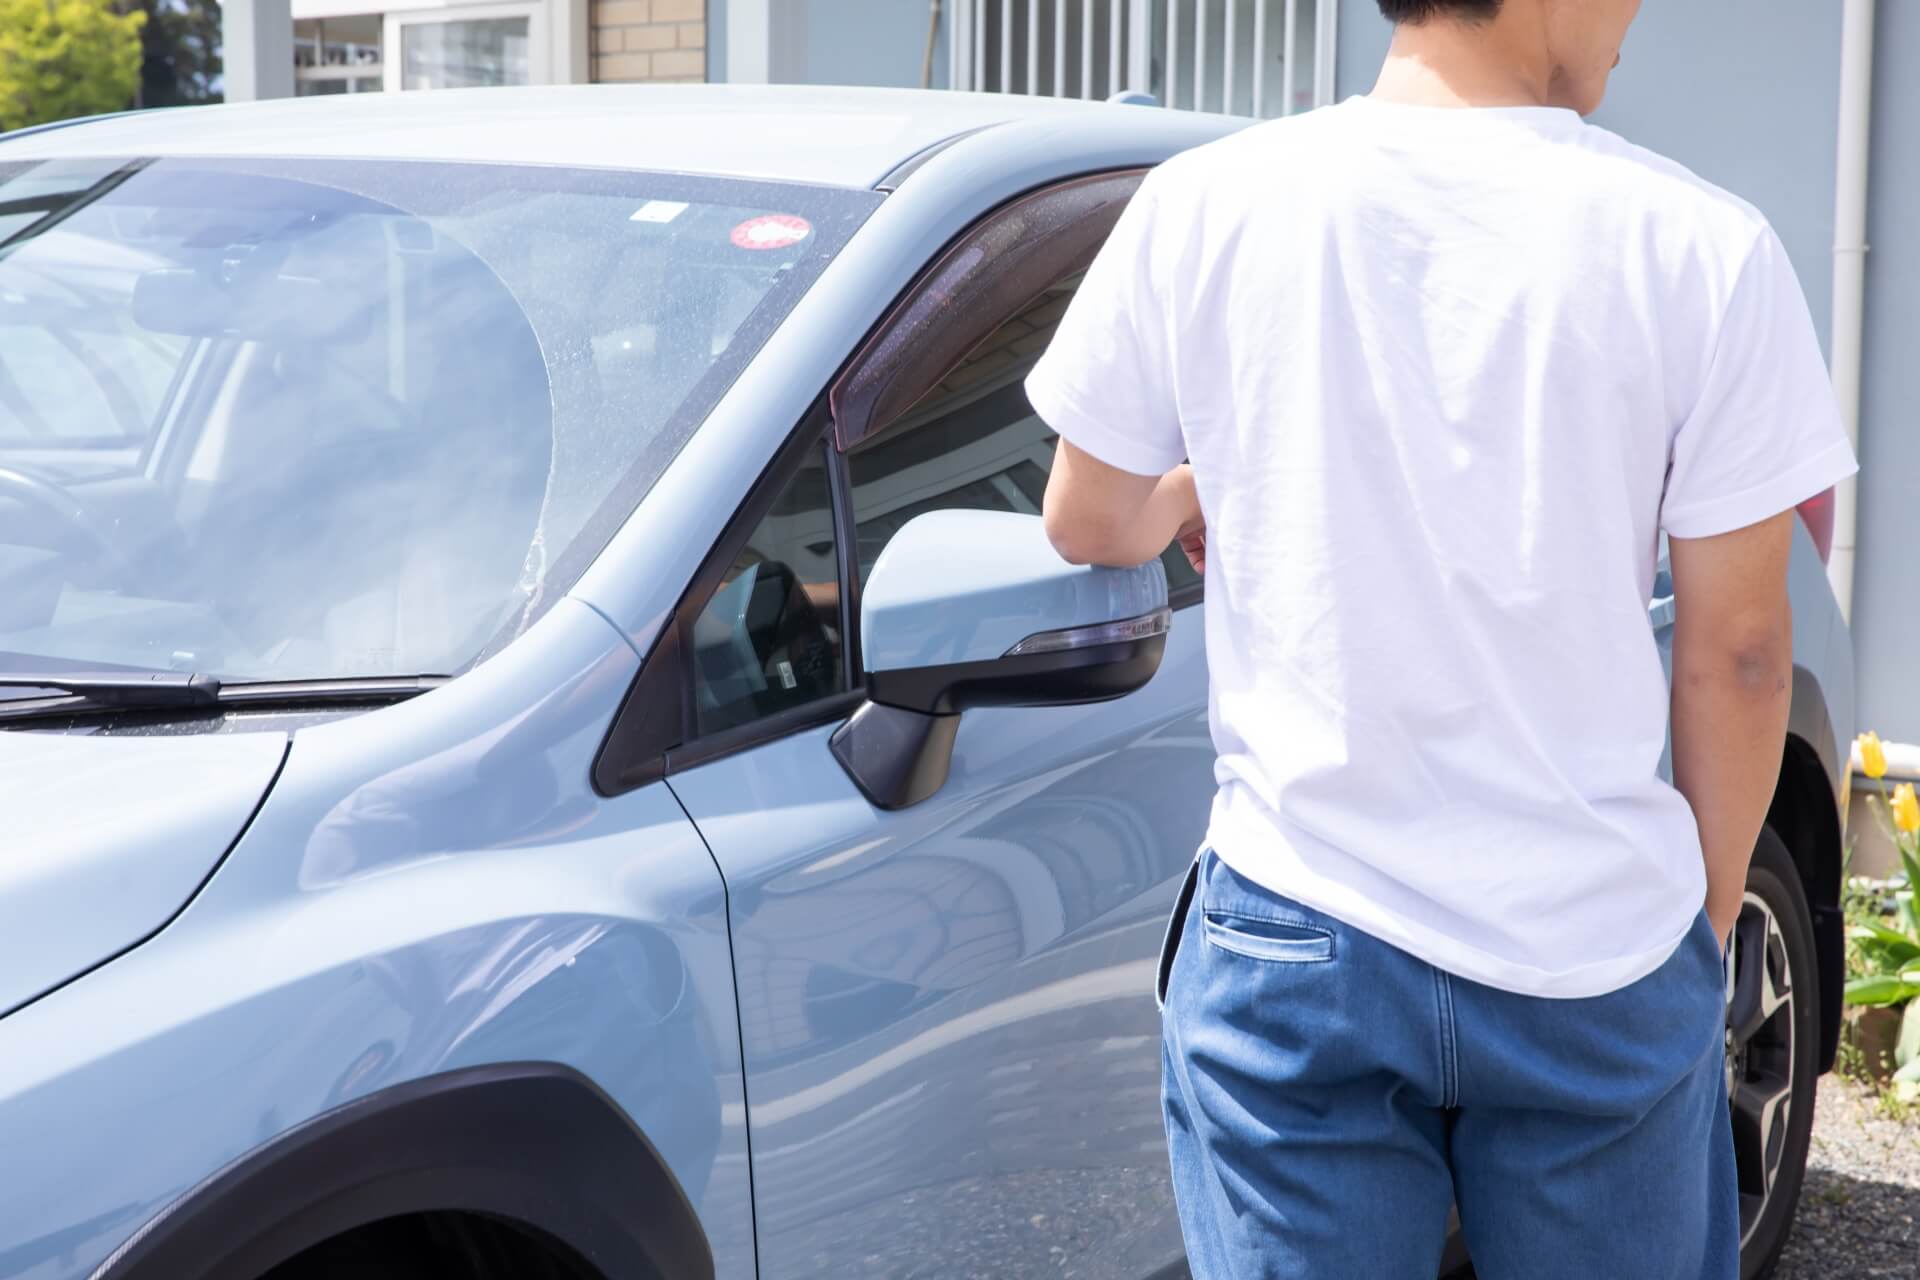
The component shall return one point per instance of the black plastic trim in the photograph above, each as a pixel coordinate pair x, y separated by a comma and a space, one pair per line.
1188, 596
905, 169
346, 689
651, 721
896, 757
1830, 947
1061, 678
653, 732
1805, 814
898, 747
1807, 719
781, 724
846, 537
534, 1143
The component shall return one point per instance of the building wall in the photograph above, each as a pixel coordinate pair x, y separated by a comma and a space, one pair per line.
879, 42
854, 42
649, 40
1746, 94
1743, 92
1886, 605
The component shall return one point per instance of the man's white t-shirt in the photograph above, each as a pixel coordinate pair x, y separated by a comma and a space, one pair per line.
1444, 376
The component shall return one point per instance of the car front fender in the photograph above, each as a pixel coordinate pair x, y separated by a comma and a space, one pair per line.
431, 888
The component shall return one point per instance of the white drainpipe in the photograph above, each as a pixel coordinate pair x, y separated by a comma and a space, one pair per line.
1850, 266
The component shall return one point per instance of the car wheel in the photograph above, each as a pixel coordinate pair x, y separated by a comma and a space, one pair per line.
1773, 1020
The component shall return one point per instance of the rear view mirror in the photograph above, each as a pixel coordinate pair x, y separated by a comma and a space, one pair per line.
975, 609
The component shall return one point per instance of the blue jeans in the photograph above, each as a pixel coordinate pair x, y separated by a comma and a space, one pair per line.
1328, 1097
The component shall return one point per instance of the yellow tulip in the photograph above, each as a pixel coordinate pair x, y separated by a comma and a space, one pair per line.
1873, 756
1906, 809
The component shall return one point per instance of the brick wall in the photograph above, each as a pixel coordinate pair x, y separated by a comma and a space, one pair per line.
652, 40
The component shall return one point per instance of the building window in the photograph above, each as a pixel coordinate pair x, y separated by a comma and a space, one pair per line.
337, 55
465, 48
436, 44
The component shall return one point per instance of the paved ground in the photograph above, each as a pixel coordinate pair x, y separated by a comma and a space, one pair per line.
1860, 1210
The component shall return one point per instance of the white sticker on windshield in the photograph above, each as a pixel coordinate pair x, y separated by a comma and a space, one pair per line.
659, 211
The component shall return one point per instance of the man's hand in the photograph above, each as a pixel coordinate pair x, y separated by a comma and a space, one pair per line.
1097, 514
1732, 691
1193, 541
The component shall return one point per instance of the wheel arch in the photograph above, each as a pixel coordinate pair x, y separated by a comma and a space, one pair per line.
535, 1144
1805, 814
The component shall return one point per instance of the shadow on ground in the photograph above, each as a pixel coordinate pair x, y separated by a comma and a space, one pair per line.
1849, 1228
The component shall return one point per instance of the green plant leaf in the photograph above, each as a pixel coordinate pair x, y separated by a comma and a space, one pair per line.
1906, 1051
1877, 806
1898, 946
1910, 862
1879, 988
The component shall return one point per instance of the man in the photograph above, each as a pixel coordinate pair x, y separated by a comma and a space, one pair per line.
1446, 361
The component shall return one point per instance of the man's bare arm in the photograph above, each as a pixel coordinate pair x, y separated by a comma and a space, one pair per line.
1732, 691
1097, 514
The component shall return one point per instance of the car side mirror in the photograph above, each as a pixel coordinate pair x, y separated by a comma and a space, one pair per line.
969, 609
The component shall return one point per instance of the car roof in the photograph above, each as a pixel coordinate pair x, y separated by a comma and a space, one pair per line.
832, 135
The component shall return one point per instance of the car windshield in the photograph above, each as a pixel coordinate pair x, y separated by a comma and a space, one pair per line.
302, 419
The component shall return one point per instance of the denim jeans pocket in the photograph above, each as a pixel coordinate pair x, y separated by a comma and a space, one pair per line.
1276, 940
1170, 941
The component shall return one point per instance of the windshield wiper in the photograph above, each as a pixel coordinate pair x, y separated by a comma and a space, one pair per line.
93, 692
135, 689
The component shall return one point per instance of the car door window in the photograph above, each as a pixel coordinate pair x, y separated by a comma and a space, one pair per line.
972, 442
768, 638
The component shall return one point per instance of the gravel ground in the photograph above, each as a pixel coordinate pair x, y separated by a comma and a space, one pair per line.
1860, 1209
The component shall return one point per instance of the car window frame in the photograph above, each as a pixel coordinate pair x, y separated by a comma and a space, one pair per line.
696, 747
654, 733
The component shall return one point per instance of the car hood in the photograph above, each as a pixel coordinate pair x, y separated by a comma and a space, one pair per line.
103, 840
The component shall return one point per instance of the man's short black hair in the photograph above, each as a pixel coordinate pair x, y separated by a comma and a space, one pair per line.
1417, 11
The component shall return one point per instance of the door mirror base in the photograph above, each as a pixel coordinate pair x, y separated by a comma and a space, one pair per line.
898, 751
896, 757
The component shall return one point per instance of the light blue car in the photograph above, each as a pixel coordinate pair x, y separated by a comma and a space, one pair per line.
540, 734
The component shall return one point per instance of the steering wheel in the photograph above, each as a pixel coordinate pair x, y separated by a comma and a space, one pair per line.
51, 499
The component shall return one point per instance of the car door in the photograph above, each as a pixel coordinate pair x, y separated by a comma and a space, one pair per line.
946, 1011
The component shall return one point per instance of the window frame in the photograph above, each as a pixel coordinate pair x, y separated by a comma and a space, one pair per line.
655, 732
654, 735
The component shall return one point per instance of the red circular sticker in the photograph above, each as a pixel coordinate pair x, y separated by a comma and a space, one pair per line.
772, 231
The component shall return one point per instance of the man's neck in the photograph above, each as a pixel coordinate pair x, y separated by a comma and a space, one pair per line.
1447, 63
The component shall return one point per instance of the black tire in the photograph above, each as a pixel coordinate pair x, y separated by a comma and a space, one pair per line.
1775, 930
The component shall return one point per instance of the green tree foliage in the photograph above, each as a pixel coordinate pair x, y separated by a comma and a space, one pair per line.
182, 51
62, 58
